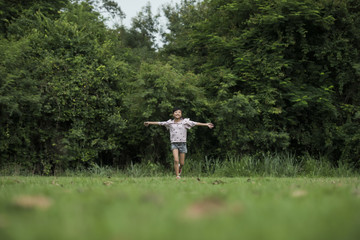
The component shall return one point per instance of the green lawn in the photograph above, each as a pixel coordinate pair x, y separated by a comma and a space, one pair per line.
191, 208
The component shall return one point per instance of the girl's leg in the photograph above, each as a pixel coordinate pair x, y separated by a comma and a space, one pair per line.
176, 161
182, 159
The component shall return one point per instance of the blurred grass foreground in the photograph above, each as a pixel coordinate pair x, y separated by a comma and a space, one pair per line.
190, 208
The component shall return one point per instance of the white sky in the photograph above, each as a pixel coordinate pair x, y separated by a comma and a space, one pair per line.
132, 7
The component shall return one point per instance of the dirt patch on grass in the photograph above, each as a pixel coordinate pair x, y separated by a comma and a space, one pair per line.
29, 202
211, 206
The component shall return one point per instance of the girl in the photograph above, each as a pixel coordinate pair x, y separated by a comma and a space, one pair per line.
178, 129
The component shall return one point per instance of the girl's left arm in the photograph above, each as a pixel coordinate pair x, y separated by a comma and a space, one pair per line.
209, 125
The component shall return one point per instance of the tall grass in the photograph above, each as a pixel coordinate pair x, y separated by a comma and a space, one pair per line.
270, 165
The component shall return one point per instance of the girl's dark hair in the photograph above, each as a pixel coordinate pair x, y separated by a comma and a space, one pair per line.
175, 109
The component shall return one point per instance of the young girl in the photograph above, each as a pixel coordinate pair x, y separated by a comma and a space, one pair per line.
178, 129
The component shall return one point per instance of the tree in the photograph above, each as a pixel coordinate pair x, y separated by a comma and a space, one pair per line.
61, 92
279, 71
12, 10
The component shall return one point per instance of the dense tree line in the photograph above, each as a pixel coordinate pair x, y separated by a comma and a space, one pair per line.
272, 76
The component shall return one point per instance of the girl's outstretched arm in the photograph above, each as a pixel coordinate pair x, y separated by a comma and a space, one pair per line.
209, 125
151, 123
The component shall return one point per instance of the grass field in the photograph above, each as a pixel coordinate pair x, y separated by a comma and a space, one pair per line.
190, 208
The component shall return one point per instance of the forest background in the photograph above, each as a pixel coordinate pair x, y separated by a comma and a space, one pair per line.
275, 77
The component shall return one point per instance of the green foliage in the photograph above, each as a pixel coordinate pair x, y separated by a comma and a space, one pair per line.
15, 10
281, 75
157, 89
273, 76
63, 86
144, 29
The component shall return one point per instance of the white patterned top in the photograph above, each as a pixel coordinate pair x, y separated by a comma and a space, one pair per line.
178, 130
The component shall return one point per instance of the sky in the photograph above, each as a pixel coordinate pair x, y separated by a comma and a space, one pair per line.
132, 7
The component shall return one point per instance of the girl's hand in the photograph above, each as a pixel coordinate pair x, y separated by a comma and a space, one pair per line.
210, 125
146, 124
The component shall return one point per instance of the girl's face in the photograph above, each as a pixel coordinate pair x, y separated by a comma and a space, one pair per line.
177, 114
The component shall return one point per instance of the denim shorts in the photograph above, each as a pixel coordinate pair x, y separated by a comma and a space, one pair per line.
179, 145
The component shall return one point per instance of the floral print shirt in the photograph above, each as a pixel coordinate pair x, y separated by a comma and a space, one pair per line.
178, 130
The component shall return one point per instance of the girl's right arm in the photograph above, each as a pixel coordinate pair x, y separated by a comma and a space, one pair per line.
151, 123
